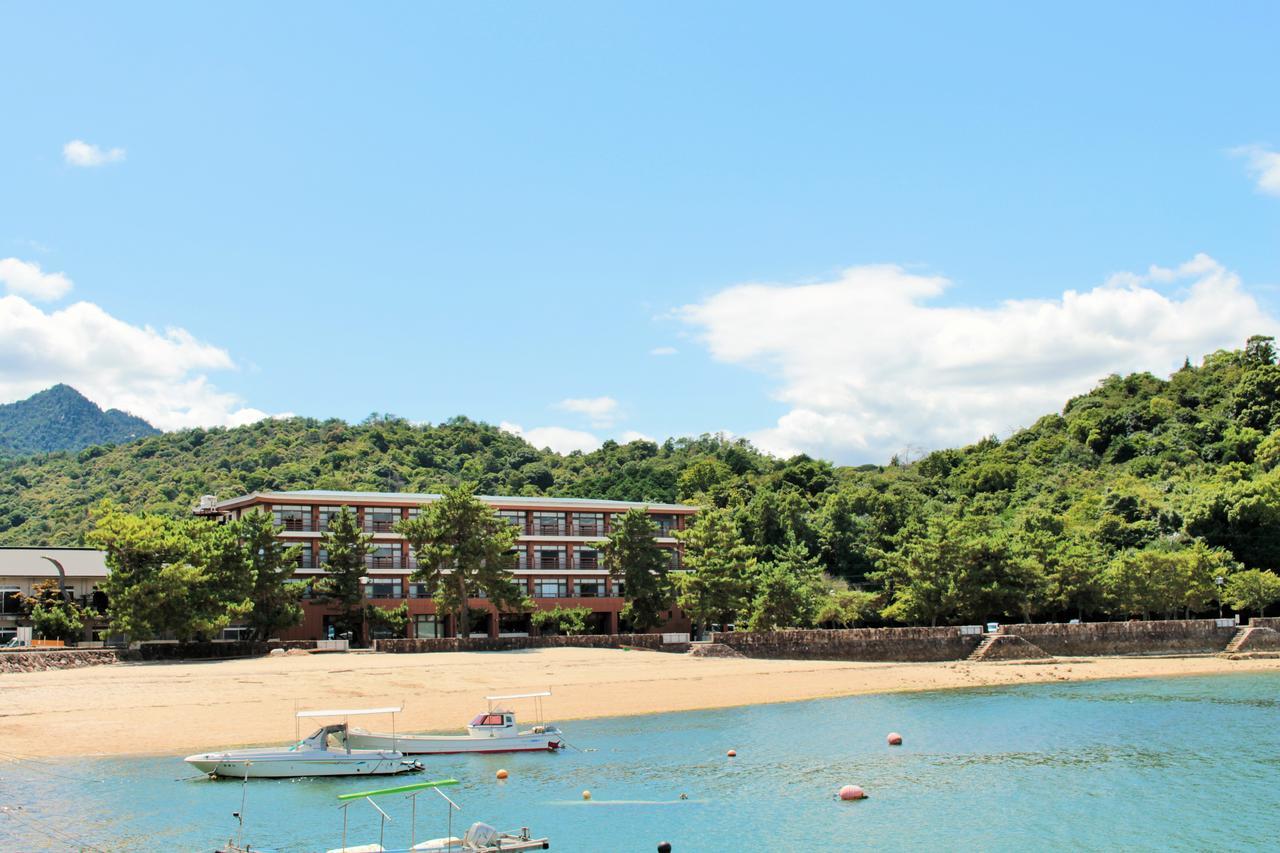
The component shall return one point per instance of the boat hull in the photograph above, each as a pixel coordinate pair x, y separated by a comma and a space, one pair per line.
267, 767
447, 745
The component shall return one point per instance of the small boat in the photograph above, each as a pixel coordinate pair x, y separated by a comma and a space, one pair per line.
480, 838
310, 756
493, 731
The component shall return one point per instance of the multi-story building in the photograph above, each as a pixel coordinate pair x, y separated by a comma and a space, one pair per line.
557, 557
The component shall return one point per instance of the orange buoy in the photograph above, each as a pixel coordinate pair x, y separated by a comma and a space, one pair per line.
586, 795
732, 753
852, 792
895, 739
501, 774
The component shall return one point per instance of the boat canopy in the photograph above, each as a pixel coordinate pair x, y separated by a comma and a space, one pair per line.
518, 696
400, 789
349, 712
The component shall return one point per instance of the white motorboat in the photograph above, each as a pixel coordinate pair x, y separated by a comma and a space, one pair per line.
480, 838
493, 731
314, 755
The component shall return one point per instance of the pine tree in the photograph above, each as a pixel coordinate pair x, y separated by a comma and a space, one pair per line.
347, 546
275, 600
632, 554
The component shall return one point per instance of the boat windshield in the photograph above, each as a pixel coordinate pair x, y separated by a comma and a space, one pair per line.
488, 720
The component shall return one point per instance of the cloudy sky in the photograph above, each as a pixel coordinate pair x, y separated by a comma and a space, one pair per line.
849, 232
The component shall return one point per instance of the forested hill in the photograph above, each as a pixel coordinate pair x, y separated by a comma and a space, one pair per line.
1139, 466
61, 418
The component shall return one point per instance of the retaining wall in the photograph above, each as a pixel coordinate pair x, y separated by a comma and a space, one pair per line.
1091, 639
1272, 622
35, 660
652, 642
863, 644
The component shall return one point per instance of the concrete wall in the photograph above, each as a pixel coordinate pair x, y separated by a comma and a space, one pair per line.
1272, 622
504, 644
865, 644
1126, 638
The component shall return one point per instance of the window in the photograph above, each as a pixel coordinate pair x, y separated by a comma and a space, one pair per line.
666, 523
521, 560
419, 590
384, 556
383, 588
551, 588
673, 559
619, 589
381, 519
9, 600
304, 558
514, 517
426, 626
326, 515
292, 517
513, 624
586, 558
235, 632
588, 524
590, 587
549, 556
548, 524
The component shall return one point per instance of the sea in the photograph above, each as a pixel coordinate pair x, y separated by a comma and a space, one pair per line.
1174, 764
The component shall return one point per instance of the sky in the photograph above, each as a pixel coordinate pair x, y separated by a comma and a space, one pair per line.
840, 229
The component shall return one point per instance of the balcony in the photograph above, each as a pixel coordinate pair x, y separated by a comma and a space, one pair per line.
590, 528
380, 525
296, 525
382, 562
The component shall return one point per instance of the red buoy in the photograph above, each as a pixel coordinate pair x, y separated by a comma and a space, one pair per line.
895, 739
732, 753
852, 792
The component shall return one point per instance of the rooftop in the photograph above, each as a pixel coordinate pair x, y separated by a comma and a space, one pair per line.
401, 498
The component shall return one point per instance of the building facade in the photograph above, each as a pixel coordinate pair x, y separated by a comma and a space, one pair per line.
557, 559
84, 570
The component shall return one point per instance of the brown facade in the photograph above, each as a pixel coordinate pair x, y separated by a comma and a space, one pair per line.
557, 560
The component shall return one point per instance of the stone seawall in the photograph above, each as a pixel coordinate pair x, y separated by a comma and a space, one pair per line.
36, 660
651, 642
860, 644
1272, 622
1092, 639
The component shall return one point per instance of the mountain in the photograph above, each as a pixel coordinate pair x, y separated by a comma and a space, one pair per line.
1139, 476
61, 418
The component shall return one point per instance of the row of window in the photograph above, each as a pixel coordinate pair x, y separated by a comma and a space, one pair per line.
298, 518
540, 588
547, 557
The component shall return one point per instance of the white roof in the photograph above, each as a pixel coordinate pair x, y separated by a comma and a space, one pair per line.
30, 562
401, 498
348, 712
519, 696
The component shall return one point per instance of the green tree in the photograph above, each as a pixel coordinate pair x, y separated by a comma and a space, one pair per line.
272, 564
1252, 589
342, 584
392, 620
464, 549
788, 591
570, 621
178, 578
717, 585
52, 616
845, 607
1148, 581
633, 556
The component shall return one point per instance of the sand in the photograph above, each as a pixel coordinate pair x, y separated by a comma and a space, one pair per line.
180, 708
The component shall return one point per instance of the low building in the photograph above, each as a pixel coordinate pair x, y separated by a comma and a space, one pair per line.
557, 560
84, 570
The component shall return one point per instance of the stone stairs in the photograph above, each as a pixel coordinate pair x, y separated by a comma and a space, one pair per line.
980, 651
1237, 640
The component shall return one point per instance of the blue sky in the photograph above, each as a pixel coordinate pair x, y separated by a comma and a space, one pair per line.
494, 209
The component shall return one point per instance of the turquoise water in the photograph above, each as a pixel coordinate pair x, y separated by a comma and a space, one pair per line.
1185, 763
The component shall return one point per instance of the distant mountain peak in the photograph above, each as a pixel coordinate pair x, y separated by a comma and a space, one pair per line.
61, 418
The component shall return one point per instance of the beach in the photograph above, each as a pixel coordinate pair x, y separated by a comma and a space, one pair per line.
156, 708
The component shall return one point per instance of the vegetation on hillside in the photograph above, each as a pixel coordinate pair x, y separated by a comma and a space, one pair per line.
1143, 497
61, 418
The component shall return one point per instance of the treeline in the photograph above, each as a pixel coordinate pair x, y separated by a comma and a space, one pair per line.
1146, 496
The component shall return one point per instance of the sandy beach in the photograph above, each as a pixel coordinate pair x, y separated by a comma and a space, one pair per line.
186, 707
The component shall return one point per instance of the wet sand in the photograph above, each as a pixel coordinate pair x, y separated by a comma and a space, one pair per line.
181, 708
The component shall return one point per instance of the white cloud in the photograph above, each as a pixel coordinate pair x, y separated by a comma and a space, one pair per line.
156, 375
27, 279
631, 435
1263, 165
77, 152
601, 411
560, 439
868, 367
663, 351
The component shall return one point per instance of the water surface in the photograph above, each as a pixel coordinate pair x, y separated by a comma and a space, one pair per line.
1189, 763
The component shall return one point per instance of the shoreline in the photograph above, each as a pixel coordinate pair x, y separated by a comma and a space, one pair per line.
180, 708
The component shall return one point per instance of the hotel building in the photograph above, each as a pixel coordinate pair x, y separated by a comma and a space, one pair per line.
84, 570
557, 560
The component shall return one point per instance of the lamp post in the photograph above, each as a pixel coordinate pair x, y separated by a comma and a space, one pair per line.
1219, 581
